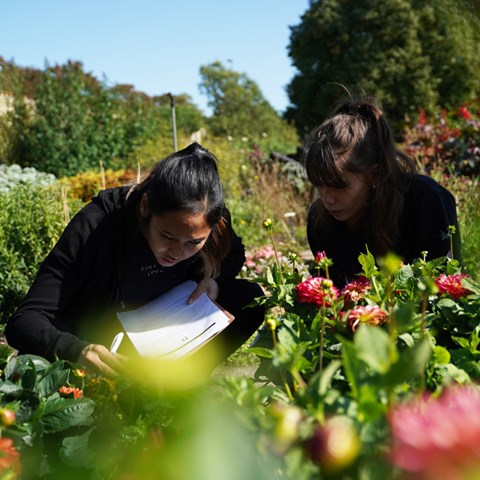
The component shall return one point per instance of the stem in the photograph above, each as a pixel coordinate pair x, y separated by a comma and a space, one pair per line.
277, 259
274, 338
424, 310
322, 336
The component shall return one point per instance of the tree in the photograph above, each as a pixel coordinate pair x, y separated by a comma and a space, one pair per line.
378, 47
74, 123
66, 121
239, 108
450, 36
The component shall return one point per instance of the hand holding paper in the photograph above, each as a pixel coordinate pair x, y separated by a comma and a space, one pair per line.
170, 327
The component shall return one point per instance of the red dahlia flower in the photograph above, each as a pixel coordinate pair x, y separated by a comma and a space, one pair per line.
371, 314
452, 284
463, 112
317, 290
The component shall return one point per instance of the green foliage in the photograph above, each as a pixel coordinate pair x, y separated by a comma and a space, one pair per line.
66, 422
405, 52
240, 110
72, 124
31, 220
322, 363
449, 36
65, 121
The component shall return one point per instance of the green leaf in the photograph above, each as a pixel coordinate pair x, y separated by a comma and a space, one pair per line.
288, 337
18, 366
471, 285
403, 277
441, 355
325, 380
63, 413
467, 362
261, 352
9, 388
447, 303
373, 347
404, 317
54, 378
407, 338
411, 363
75, 451
367, 261
352, 366
269, 277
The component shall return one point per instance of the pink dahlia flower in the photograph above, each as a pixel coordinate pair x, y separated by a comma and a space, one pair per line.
438, 438
371, 314
317, 290
355, 290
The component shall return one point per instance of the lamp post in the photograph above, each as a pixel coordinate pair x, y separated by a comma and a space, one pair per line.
174, 123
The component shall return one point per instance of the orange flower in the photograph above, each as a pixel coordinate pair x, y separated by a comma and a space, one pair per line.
9, 456
370, 314
77, 392
317, 290
452, 284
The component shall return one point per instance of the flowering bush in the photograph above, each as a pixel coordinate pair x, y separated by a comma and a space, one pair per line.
448, 142
85, 185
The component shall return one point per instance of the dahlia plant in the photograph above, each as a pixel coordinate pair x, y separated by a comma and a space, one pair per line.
394, 332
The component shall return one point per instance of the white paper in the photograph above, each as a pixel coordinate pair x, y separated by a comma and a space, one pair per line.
169, 327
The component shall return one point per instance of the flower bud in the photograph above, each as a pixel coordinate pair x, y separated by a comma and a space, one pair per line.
270, 324
7, 417
268, 224
335, 445
287, 422
327, 283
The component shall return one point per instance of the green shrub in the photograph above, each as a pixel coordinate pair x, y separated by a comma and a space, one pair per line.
31, 220
467, 194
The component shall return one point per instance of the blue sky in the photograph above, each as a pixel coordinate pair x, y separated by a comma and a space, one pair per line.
157, 46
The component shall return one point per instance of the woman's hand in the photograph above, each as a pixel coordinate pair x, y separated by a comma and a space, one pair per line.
98, 358
208, 286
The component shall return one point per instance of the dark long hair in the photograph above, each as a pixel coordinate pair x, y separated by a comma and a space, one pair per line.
188, 181
356, 138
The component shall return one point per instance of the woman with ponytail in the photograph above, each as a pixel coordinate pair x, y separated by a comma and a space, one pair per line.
126, 248
370, 194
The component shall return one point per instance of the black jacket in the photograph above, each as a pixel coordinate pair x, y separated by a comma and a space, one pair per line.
428, 211
100, 264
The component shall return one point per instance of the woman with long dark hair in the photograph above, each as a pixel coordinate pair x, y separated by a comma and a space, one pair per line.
129, 246
370, 194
